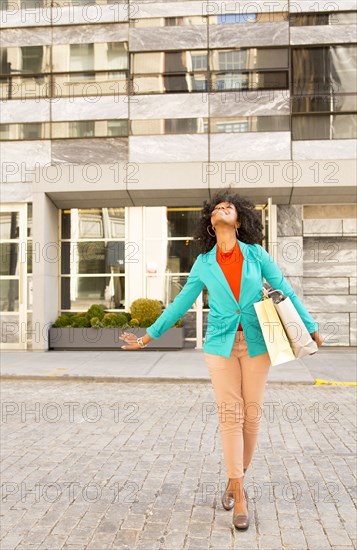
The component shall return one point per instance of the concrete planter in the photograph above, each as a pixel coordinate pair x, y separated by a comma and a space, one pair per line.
109, 338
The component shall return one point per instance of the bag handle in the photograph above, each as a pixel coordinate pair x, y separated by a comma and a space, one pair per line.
271, 290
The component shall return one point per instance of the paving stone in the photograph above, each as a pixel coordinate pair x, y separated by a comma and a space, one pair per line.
153, 475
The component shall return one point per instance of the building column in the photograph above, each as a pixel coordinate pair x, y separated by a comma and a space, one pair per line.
46, 269
134, 255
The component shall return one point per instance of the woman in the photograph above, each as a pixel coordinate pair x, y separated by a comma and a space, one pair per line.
232, 269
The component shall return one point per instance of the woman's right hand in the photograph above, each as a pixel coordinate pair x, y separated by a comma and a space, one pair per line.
317, 337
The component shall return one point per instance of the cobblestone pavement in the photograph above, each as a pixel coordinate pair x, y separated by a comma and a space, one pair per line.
102, 466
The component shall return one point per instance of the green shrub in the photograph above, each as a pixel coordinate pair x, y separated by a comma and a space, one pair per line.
95, 311
144, 309
80, 321
63, 321
146, 322
114, 320
95, 322
144, 313
127, 315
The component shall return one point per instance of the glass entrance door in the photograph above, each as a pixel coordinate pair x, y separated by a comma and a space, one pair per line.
13, 275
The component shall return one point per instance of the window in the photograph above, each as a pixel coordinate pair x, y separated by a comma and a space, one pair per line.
92, 258
147, 22
324, 87
241, 18
168, 62
199, 62
81, 128
81, 57
24, 59
62, 130
169, 126
332, 18
279, 123
236, 18
117, 56
25, 131
117, 128
324, 127
326, 70
232, 60
230, 69
4, 131
32, 130
252, 58
250, 81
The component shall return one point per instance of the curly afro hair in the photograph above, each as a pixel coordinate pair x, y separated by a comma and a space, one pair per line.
251, 228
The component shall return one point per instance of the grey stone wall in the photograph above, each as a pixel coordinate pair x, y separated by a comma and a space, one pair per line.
324, 275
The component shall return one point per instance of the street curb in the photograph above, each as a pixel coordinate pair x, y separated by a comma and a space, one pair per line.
131, 379
81, 378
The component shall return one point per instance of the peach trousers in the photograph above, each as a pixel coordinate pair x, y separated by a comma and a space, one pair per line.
239, 385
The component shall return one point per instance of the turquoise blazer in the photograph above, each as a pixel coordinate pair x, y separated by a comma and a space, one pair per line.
225, 311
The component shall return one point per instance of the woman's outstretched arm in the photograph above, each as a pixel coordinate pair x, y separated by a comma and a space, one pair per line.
182, 302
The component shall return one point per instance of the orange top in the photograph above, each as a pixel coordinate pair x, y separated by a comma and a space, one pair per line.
231, 263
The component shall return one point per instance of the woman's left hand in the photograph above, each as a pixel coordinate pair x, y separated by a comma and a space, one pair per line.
318, 339
130, 338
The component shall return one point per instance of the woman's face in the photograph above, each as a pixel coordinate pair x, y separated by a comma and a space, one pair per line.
226, 212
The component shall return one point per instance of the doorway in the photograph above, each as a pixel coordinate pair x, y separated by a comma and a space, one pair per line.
13, 276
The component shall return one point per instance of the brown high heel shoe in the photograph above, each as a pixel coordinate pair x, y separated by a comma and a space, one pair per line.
241, 521
228, 498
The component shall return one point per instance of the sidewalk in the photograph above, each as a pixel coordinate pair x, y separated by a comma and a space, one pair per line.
187, 365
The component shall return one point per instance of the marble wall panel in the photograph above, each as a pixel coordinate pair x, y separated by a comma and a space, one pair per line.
89, 14
324, 34
325, 285
349, 227
290, 255
248, 103
163, 8
353, 329
28, 110
322, 227
85, 151
306, 6
26, 36
330, 256
289, 222
324, 149
168, 106
331, 303
83, 34
334, 328
330, 211
169, 148
36, 17
250, 146
90, 108
249, 35
168, 38
16, 192
19, 159
297, 284
353, 285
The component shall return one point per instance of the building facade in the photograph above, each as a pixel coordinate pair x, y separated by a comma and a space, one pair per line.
119, 118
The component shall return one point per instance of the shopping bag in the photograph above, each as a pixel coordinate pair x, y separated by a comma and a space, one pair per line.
275, 337
299, 337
